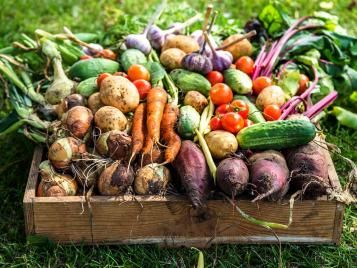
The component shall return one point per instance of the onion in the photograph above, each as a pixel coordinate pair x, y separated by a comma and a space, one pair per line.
78, 121
119, 145
115, 179
152, 179
62, 152
101, 145
86, 172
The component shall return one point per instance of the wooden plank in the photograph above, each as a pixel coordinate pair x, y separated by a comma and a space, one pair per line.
337, 231
30, 190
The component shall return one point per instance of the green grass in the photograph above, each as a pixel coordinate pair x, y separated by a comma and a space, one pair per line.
16, 151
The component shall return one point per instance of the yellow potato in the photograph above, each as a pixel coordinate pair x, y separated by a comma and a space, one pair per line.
110, 118
270, 95
242, 48
171, 58
186, 43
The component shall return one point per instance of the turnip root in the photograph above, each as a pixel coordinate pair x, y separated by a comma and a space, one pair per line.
115, 179
119, 146
155, 156
269, 175
101, 145
221, 143
192, 169
309, 169
94, 102
151, 179
196, 100
171, 58
232, 176
119, 92
110, 118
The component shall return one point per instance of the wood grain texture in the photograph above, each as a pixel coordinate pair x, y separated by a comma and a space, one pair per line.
170, 221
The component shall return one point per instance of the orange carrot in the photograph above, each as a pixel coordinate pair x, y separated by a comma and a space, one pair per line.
138, 130
168, 134
156, 100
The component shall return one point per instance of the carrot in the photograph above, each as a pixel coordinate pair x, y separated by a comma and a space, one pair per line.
156, 100
168, 134
138, 130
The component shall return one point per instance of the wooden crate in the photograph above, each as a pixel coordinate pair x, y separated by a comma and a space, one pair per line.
170, 221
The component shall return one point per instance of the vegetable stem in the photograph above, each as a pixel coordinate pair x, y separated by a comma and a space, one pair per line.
154, 17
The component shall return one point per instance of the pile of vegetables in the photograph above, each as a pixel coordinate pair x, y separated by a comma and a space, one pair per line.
186, 110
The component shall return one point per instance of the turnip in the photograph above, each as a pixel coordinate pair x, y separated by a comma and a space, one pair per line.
309, 169
78, 121
115, 179
110, 118
192, 169
151, 179
232, 176
101, 145
269, 174
119, 145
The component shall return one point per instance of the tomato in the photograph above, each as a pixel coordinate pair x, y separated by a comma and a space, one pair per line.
143, 87
272, 112
121, 74
108, 54
215, 77
241, 107
260, 83
101, 77
248, 123
232, 122
222, 109
216, 123
221, 94
245, 64
303, 84
85, 57
137, 71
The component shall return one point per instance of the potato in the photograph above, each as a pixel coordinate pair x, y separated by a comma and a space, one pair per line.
270, 95
221, 143
171, 58
186, 43
94, 102
242, 48
196, 100
119, 92
110, 118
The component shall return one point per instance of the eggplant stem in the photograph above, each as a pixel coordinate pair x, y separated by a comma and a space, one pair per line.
244, 36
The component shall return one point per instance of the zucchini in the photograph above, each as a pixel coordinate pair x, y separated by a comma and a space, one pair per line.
188, 121
132, 56
87, 87
85, 69
254, 114
276, 135
238, 81
188, 81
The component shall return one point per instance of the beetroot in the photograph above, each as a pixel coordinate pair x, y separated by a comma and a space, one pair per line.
309, 169
193, 172
232, 176
269, 175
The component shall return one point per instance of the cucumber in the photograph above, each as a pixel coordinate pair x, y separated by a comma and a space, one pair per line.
188, 81
254, 114
87, 87
132, 56
238, 81
189, 120
276, 135
85, 69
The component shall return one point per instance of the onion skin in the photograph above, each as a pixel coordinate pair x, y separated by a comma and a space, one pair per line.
64, 150
196, 62
78, 121
74, 100
119, 146
101, 145
151, 179
115, 179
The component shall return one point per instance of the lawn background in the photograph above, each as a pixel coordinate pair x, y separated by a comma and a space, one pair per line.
16, 152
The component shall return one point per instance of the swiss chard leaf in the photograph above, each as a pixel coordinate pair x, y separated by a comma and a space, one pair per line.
157, 72
289, 82
274, 19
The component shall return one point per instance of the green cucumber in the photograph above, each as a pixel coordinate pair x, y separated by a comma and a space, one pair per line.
276, 135
132, 56
238, 81
254, 114
87, 87
187, 81
188, 121
85, 69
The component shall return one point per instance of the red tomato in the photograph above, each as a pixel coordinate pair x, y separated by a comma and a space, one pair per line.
101, 77
221, 94
143, 87
216, 123
108, 54
272, 112
121, 74
137, 71
232, 122
215, 77
303, 84
85, 57
241, 107
245, 64
222, 109
260, 83
248, 123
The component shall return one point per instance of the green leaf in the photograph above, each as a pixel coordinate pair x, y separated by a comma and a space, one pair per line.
345, 117
274, 20
289, 82
353, 97
157, 72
